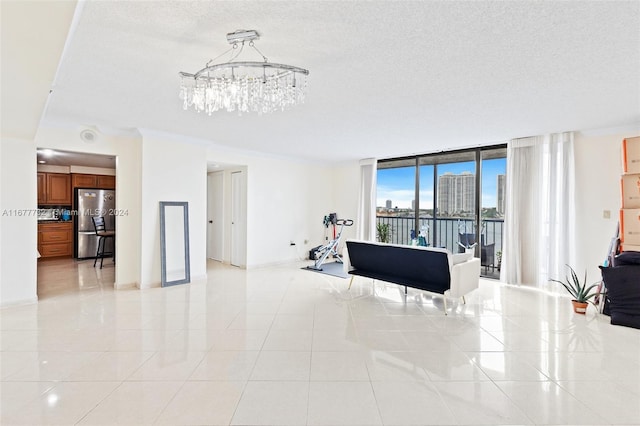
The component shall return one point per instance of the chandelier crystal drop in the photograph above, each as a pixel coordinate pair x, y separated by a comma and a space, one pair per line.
261, 87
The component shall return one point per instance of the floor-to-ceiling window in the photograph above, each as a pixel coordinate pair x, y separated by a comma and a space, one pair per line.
493, 183
426, 224
455, 188
439, 200
396, 199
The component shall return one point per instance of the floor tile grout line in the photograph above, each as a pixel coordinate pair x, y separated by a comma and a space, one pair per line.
99, 402
159, 414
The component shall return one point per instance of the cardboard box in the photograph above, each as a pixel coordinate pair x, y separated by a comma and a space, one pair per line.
631, 155
629, 247
630, 191
630, 226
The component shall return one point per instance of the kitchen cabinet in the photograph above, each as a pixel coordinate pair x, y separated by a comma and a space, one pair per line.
54, 189
83, 181
55, 239
106, 182
42, 188
80, 180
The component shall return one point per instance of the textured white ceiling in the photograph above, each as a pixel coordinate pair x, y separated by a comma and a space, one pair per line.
29, 60
386, 78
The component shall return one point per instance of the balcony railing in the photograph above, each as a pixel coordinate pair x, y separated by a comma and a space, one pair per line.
447, 235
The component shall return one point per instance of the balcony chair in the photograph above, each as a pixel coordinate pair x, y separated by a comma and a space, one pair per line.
487, 251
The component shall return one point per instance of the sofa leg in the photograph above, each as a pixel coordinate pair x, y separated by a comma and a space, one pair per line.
351, 282
464, 302
405, 290
444, 299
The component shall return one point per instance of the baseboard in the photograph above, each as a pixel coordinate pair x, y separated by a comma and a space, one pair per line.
203, 277
22, 302
278, 263
126, 286
152, 285
158, 284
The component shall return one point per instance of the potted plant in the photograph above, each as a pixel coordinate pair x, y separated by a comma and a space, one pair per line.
383, 231
581, 293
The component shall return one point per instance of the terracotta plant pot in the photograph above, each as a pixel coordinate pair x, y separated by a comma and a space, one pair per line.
579, 307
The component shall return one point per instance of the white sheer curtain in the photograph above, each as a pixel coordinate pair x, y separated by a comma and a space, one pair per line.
539, 231
366, 221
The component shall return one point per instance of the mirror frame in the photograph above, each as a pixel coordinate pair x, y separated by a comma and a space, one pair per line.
163, 247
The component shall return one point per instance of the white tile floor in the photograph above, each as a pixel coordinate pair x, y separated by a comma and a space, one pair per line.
283, 346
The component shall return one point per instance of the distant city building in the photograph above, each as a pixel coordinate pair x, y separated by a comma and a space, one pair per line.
413, 204
502, 189
456, 193
388, 204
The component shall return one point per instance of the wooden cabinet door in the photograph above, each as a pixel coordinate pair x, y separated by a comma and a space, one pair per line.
56, 236
55, 250
83, 181
58, 188
55, 239
42, 188
106, 182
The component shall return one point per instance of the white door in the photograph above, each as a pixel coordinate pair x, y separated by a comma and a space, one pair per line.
215, 220
237, 219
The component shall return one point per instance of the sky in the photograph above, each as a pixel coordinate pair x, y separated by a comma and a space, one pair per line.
398, 185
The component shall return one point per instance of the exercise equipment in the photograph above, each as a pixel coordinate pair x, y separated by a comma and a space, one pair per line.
320, 253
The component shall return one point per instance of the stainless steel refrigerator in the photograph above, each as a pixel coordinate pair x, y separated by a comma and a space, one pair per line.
90, 203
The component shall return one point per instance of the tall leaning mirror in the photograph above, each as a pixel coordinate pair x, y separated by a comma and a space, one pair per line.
174, 242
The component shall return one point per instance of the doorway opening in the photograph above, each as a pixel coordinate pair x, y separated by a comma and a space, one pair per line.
227, 214
73, 187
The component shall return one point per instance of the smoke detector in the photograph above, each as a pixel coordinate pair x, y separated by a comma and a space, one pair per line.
89, 135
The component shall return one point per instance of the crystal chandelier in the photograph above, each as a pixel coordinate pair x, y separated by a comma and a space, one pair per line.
260, 87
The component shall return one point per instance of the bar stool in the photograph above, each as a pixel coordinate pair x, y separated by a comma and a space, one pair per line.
103, 236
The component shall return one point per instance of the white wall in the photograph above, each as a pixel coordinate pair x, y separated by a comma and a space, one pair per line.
18, 233
346, 190
172, 171
128, 152
286, 201
598, 170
